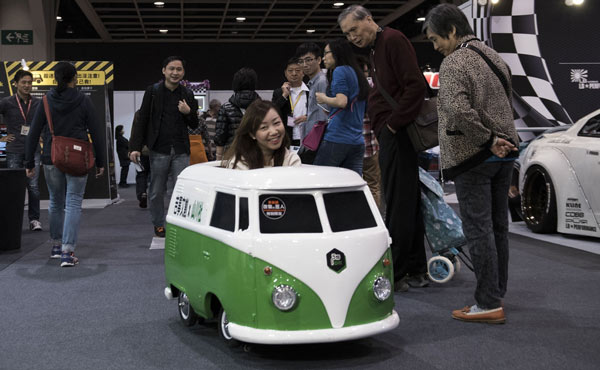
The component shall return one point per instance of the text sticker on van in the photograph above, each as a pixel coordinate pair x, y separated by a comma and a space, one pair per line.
273, 208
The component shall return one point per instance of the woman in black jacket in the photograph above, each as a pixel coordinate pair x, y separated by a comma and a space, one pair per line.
123, 154
73, 116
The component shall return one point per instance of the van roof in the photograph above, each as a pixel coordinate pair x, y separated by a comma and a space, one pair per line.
273, 178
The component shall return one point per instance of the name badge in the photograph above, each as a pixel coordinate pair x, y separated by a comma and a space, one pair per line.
24, 130
77, 147
290, 121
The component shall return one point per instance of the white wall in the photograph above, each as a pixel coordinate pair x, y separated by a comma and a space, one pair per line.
127, 102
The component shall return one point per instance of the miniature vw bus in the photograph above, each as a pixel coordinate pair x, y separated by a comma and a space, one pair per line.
280, 255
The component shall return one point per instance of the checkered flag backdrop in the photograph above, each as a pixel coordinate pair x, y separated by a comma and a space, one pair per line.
510, 27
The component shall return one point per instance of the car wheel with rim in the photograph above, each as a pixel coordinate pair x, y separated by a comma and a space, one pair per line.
223, 327
538, 201
186, 312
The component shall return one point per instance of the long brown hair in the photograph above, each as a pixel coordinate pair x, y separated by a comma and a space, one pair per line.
245, 148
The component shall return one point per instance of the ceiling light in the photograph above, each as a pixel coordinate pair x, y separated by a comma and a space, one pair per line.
577, 2
234, 32
59, 18
159, 4
310, 31
338, 4
421, 19
163, 30
495, 1
240, 19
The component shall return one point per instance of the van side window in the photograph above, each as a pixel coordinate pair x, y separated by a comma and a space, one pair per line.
288, 213
223, 215
243, 221
348, 210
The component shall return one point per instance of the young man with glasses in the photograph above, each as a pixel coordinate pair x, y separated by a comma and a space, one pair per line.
309, 57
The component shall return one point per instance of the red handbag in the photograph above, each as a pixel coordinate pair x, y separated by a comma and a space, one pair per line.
72, 156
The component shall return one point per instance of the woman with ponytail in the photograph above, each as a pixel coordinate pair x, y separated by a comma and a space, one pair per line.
73, 116
343, 144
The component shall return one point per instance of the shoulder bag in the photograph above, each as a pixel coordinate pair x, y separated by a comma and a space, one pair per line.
423, 131
72, 156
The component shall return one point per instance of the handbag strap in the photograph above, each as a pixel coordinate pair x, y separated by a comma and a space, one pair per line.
384, 93
341, 109
492, 66
48, 115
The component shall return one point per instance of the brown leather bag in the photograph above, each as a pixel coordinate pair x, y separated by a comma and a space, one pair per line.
72, 156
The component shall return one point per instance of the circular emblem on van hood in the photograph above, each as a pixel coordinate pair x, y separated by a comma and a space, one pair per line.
273, 208
336, 260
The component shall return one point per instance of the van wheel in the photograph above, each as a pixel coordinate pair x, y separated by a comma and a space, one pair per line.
186, 312
223, 327
539, 201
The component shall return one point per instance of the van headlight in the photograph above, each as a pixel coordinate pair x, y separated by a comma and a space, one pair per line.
284, 297
382, 288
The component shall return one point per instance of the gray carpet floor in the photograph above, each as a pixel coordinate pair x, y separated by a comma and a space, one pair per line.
109, 312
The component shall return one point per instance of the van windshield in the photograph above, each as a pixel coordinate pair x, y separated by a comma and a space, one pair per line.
348, 210
288, 213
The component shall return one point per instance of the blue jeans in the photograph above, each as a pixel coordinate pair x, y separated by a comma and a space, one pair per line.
16, 160
482, 194
161, 165
66, 196
340, 155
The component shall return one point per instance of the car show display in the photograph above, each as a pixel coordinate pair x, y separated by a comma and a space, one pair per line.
280, 255
558, 180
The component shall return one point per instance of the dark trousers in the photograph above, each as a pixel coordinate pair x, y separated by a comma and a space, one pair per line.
124, 173
403, 218
142, 177
482, 194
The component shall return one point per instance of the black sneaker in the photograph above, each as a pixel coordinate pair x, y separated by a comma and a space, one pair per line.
144, 200
35, 225
56, 251
68, 259
418, 281
401, 285
159, 231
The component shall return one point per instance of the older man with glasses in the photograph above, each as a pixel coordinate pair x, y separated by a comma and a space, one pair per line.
309, 57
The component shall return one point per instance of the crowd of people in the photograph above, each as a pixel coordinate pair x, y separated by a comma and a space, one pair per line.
365, 133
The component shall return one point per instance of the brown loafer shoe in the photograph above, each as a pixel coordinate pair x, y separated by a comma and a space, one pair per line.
476, 314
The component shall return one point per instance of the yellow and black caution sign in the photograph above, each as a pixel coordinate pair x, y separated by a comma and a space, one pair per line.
89, 73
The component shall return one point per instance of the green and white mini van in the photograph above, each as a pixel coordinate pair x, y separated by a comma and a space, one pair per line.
279, 255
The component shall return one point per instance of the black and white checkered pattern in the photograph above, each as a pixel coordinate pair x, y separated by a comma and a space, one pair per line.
510, 27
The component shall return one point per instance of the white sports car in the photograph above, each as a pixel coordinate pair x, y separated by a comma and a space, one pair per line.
559, 180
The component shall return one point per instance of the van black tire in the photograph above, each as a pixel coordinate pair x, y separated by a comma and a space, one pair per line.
222, 324
538, 201
186, 312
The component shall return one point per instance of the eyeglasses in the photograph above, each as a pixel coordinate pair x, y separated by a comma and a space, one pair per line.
305, 60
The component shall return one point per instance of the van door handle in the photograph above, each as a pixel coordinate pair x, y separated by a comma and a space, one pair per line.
592, 152
206, 254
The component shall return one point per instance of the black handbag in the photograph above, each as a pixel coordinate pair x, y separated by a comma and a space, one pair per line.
423, 131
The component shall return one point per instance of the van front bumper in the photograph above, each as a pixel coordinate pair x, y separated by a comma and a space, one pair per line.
269, 336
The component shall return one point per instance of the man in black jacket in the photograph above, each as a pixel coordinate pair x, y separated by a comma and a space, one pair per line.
167, 110
292, 100
18, 111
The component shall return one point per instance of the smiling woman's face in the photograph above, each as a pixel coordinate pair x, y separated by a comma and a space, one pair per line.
270, 133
